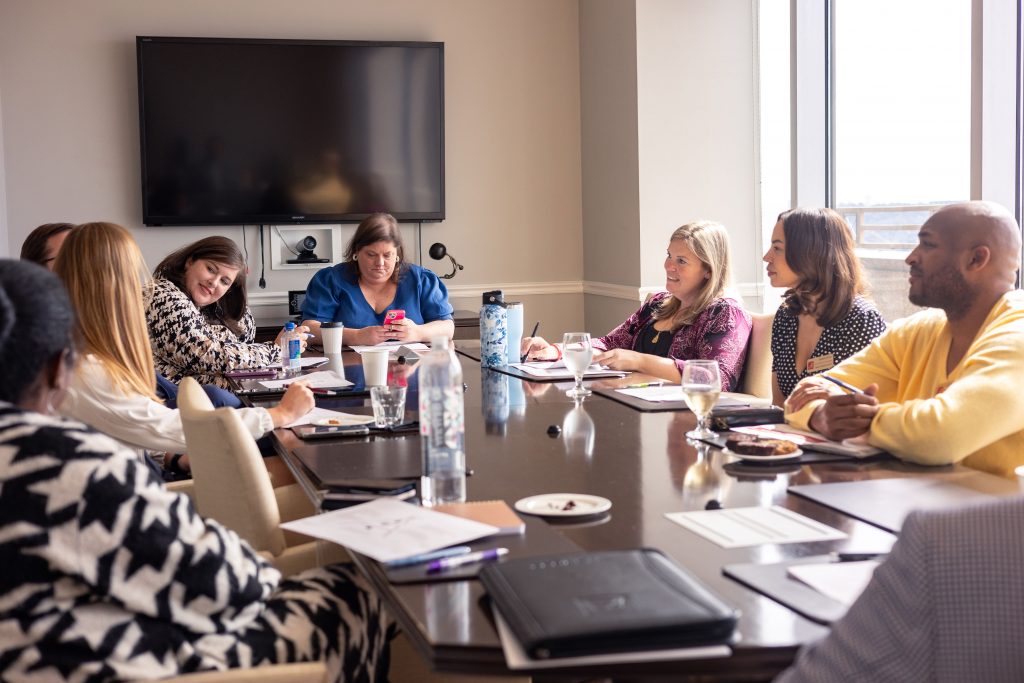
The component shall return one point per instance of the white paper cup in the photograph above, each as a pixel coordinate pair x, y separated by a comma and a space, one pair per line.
331, 334
375, 367
1020, 477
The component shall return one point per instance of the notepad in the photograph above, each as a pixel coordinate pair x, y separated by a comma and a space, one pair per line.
497, 513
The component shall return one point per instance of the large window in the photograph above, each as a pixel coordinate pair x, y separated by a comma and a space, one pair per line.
898, 108
901, 126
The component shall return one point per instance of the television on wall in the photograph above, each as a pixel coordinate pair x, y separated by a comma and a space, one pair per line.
240, 131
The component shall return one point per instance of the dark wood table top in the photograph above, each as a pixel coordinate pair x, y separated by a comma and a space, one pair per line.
643, 463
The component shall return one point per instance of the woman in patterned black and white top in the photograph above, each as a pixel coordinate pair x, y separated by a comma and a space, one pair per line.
199, 322
824, 318
107, 575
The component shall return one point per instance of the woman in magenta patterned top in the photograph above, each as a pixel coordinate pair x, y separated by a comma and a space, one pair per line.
691, 320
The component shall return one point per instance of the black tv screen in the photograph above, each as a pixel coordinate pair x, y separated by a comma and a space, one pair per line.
286, 131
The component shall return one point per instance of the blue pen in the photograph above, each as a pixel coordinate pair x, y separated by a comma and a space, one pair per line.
849, 387
427, 557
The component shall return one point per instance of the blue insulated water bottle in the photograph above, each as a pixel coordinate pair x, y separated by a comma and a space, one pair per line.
493, 330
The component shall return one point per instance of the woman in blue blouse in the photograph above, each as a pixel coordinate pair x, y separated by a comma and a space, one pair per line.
373, 280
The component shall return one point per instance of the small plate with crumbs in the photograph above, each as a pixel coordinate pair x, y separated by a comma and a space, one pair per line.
563, 505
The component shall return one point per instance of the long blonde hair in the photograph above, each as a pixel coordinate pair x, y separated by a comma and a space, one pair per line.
710, 243
104, 271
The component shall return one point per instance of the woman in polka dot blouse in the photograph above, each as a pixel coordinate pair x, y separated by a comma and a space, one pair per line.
824, 317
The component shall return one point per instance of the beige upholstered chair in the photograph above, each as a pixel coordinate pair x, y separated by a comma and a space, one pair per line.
757, 373
307, 672
231, 484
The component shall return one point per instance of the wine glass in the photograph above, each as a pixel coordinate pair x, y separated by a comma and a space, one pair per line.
577, 352
702, 383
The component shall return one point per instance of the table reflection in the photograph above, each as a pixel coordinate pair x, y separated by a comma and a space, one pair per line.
578, 431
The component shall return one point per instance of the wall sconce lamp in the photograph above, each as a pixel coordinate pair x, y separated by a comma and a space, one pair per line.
437, 252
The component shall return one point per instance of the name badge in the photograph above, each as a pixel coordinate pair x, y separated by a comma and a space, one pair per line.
820, 363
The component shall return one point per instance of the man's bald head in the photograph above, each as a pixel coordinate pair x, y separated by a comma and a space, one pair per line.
969, 225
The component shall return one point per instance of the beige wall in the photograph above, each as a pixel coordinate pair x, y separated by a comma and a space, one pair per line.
70, 124
696, 102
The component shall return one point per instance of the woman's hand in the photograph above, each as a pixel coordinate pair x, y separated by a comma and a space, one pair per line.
304, 336
621, 359
404, 330
296, 402
536, 348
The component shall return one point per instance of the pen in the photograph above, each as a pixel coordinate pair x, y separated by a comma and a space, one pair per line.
427, 557
856, 557
459, 560
324, 392
849, 387
643, 385
522, 358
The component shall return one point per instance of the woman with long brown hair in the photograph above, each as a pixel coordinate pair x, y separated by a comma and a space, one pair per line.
114, 386
824, 317
199, 320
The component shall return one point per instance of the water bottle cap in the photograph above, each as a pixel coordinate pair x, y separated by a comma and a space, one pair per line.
494, 298
289, 326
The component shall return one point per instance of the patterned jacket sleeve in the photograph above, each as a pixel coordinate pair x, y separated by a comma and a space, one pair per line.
147, 549
722, 335
622, 337
183, 339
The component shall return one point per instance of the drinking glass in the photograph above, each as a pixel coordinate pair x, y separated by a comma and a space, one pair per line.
577, 353
701, 385
388, 405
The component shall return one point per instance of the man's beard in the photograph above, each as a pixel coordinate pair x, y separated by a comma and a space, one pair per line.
947, 290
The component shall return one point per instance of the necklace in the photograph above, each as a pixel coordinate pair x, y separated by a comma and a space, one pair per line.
657, 333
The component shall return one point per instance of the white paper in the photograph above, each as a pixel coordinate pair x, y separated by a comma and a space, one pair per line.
518, 659
674, 392
392, 346
387, 530
312, 361
812, 441
743, 527
557, 370
317, 414
323, 379
841, 581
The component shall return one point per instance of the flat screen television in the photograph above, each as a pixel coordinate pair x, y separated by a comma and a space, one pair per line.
239, 131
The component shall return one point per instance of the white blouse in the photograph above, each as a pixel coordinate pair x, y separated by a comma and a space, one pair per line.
132, 419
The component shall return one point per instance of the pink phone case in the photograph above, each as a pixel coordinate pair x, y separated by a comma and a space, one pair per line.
393, 315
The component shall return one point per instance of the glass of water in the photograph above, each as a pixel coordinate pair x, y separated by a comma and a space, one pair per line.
388, 405
702, 382
577, 353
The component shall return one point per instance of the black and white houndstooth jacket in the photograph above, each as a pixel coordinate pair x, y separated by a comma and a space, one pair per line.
104, 573
187, 344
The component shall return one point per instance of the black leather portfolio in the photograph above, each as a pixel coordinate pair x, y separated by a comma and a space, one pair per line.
603, 602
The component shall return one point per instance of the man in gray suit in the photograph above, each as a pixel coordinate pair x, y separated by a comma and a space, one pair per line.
947, 605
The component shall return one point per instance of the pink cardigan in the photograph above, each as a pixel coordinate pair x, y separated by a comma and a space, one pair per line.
719, 333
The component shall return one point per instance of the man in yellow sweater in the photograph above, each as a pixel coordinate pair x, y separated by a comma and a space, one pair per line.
946, 384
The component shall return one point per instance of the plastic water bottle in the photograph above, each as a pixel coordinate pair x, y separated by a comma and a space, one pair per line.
291, 350
442, 426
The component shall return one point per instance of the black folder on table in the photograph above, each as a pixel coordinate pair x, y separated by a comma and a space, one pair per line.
339, 464
726, 405
603, 602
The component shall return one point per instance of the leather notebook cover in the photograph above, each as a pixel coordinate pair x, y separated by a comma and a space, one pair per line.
613, 601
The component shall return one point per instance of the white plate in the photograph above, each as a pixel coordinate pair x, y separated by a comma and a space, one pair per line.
785, 457
344, 419
553, 505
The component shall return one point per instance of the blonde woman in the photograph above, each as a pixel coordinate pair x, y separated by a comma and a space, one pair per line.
114, 387
690, 320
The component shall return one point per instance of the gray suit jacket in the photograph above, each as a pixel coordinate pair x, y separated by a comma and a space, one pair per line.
947, 605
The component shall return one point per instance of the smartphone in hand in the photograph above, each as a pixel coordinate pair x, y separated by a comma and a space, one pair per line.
394, 315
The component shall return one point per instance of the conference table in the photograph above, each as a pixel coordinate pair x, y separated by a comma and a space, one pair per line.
644, 464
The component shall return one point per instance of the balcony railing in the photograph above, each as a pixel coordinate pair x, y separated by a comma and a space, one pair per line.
888, 227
